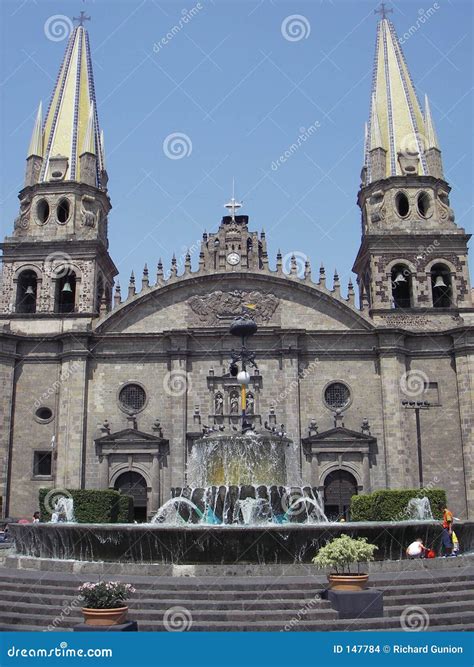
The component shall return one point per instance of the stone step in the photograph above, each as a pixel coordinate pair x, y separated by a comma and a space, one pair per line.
163, 603
434, 608
423, 598
323, 611
450, 621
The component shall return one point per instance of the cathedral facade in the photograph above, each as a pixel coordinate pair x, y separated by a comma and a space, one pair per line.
106, 389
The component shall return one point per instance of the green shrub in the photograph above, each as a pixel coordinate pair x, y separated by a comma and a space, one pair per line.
93, 505
391, 504
342, 552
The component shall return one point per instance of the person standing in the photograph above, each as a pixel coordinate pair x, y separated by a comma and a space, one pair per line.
446, 538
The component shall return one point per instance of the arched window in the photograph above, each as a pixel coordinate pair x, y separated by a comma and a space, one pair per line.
441, 286
26, 292
66, 292
401, 286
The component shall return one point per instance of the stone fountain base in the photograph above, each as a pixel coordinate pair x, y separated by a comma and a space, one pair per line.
196, 544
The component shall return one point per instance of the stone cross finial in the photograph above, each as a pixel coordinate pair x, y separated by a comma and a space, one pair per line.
383, 11
81, 19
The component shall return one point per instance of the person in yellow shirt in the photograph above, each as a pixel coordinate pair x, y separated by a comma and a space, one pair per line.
447, 536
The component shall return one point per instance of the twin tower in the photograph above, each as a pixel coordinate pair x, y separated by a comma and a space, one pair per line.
412, 258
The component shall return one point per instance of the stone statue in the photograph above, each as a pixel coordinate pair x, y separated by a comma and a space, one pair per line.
234, 403
250, 404
219, 404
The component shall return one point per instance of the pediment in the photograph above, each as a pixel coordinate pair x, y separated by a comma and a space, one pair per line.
128, 435
213, 300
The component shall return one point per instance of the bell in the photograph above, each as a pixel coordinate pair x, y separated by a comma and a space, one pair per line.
67, 287
30, 291
439, 282
400, 278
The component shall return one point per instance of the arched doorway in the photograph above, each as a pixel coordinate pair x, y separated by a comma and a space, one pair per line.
133, 484
339, 487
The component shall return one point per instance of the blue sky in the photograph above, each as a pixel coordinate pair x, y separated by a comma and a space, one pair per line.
242, 94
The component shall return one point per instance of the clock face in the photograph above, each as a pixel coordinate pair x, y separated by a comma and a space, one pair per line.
233, 258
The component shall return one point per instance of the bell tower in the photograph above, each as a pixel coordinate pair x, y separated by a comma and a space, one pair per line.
56, 261
413, 257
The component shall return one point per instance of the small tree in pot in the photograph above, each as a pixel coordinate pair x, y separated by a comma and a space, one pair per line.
340, 554
104, 602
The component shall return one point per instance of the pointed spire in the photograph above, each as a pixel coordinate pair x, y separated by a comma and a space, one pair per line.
279, 262
88, 145
322, 276
117, 295
68, 128
102, 149
36, 143
293, 266
159, 272
396, 121
430, 133
336, 287
350, 293
174, 266
187, 262
131, 286
375, 134
145, 280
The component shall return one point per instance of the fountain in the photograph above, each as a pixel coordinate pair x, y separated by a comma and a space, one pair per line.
419, 509
64, 507
243, 504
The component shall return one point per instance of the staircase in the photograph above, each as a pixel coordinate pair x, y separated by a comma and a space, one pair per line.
38, 601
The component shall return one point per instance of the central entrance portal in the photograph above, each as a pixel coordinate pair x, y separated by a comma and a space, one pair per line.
339, 487
133, 484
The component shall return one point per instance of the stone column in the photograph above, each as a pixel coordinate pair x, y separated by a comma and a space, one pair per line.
365, 472
464, 358
7, 383
176, 387
155, 484
315, 470
392, 455
104, 471
72, 413
290, 407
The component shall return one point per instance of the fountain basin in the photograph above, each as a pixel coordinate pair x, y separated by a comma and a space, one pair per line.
194, 544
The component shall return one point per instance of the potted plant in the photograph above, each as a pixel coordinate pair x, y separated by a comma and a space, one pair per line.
339, 555
104, 602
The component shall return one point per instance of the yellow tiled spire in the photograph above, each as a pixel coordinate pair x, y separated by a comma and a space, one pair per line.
36, 143
89, 137
394, 104
68, 123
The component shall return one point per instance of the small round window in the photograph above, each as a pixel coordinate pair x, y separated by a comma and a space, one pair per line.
132, 398
402, 204
63, 211
424, 204
44, 414
42, 211
337, 396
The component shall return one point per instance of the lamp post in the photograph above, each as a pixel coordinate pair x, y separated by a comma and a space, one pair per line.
243, 326
417, 406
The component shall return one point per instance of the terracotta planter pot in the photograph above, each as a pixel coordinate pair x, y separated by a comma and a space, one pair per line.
347, 582
104, 616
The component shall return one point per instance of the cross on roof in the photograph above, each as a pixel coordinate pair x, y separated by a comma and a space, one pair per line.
82, 18
383, 11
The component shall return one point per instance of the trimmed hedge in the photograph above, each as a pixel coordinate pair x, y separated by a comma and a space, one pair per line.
391, 504
94, 505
